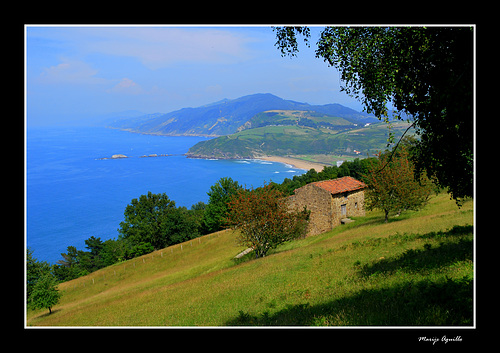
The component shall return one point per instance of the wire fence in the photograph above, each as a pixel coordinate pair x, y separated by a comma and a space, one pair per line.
118, 270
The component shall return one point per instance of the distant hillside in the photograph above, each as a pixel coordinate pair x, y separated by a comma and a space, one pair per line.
296, 117
227, 116
288, 137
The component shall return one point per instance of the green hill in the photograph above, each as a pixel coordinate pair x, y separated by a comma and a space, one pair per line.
417, 269
287, 134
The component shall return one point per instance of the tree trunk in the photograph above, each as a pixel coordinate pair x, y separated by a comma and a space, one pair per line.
50, 310
386, 215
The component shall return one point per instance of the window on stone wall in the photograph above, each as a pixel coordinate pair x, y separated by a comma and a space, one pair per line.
356, 205
345, 195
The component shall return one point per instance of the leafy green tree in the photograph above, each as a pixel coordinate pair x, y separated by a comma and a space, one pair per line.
219, 196
112, 252
68, 267
393, 187
196, 215
45, 293
95, 260
148, 219
138, 250
70, 259
154, 219
424, 72
264, 219
34, 271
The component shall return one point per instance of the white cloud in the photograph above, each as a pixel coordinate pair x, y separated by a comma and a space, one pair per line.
161, 47
72, 72
126, 86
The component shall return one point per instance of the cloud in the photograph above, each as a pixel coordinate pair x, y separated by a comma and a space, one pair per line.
162, 47
71, 72
126, 86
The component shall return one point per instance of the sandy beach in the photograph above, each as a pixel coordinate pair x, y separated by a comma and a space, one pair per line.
297, 163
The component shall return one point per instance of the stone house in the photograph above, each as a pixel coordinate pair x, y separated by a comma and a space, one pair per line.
330, 202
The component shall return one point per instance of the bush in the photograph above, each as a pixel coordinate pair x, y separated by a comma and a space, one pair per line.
263, 217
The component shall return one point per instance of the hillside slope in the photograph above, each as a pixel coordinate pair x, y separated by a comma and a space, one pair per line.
226, 116
415, 270
284, 139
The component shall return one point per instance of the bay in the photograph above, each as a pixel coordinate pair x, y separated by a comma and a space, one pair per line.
72, 193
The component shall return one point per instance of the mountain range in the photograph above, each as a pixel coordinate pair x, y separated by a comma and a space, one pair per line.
227, 116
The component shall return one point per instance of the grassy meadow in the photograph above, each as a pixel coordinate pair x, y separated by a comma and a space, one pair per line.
417, 269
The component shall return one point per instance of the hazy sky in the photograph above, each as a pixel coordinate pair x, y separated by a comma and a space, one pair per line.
75, 73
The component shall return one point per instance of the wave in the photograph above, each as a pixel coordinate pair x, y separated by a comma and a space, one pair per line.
261, 161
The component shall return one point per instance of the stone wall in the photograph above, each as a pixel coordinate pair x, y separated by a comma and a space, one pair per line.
318, 201
326, 209
354, 202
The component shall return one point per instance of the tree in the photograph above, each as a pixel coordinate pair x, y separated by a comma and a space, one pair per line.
45, 293
148, 220
95, 245
34, 271
219, 196
67, 268
424, 72
70, 259
138, 250
154, 219
113, 251
393, 187
264, 220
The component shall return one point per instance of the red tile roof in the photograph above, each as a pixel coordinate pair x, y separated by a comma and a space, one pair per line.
337, 186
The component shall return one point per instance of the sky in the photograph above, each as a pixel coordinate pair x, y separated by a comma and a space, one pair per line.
78, 73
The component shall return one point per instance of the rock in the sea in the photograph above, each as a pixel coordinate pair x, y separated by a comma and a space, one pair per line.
116, 156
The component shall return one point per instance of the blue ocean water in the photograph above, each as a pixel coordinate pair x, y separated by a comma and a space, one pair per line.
72, 194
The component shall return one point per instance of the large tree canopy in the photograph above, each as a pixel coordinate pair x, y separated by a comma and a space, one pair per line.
424, 72
155, 219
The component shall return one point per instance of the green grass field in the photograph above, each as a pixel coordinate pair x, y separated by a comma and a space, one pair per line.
417, 269
293, 140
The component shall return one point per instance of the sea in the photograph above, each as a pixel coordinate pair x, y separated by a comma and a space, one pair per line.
75, 191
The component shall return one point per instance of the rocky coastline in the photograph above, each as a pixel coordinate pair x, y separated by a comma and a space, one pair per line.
294, 162
122, 156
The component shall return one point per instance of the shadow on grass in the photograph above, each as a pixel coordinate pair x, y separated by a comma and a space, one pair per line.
425, 259
424, 303
447, 302
47, 313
